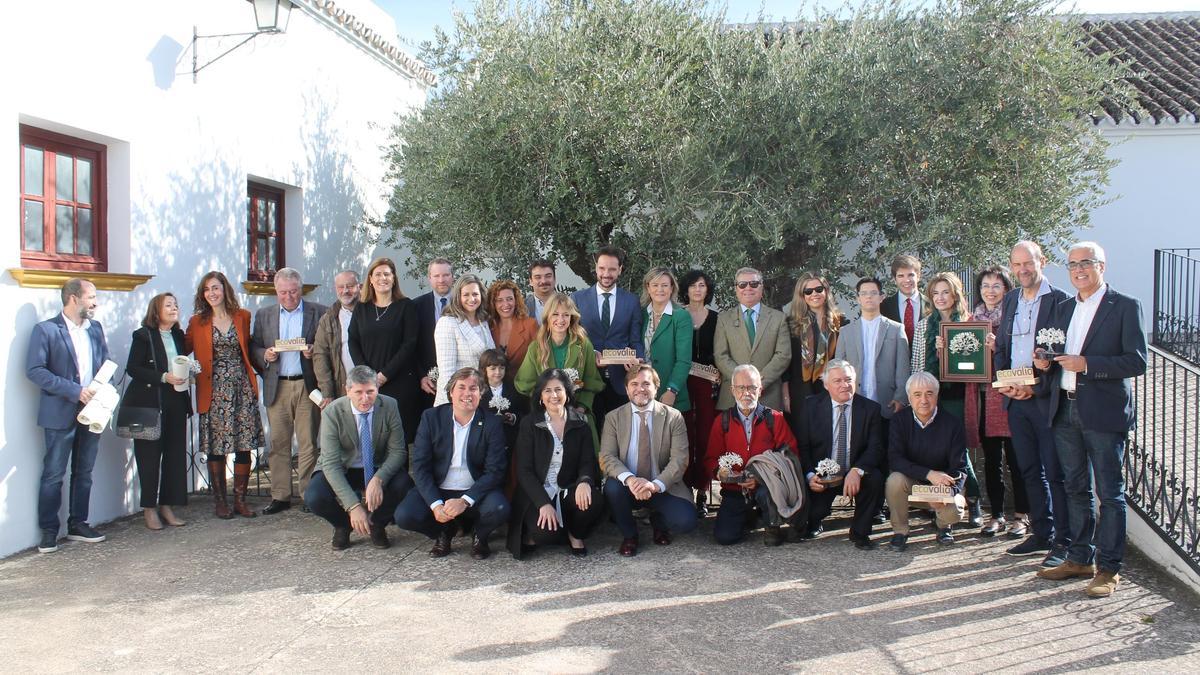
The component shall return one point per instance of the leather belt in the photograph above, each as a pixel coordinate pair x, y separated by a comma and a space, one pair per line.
291, 377
1070, 394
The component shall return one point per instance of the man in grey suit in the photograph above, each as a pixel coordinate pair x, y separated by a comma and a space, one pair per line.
878, 349
287, 377
541, 280
755, 334
363, 472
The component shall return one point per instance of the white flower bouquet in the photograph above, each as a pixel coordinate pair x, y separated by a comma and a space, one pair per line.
1047, 338
828, 468
433, 374
500, 403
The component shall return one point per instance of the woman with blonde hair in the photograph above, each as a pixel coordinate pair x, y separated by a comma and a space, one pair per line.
667, 331
814, 323
462, 333
561, 342
512, 327
383, 335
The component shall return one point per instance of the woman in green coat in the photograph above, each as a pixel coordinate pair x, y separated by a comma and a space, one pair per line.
561, 342
667, 331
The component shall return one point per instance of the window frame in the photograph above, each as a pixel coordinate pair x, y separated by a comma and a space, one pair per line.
53, 144
261, 191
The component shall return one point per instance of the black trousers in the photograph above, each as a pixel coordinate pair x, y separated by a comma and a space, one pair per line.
488, 513
322, 501
162, 464
867, 503
578, 523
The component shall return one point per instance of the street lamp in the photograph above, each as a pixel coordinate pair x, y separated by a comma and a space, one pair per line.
271, 17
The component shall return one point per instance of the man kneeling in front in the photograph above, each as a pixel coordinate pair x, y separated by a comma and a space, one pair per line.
362, 471
927, 446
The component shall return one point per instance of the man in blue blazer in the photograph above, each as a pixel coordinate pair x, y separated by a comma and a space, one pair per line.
1090, 400
1026, 310
65, 352
612, 317
458, 464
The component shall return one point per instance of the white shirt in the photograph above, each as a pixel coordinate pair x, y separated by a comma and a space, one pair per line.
1081, 321
926, 424
649, 328
344, 316
849, 411
631, 459
901, 298
866, 379
83, 348
612, 302
753, 313
458, 477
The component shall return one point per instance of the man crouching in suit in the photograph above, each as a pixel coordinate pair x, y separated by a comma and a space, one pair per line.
458, 464
644, 452
362, 473
843, 426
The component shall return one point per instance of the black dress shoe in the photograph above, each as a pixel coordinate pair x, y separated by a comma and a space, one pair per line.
275, 507
628, 547
863, 543
945, 536
379, 538
441, 545
813, 533
662, 537
580, 552
899, 542
772, 536
879, 519
479, 548
341, 538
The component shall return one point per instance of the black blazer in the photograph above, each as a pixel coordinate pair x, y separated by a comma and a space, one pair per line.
1115, 349
815, 439
426, 349
1002, 356
429, 460
146, 365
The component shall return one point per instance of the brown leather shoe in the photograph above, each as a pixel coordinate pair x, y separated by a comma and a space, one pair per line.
341, 539
479, 548
1103, 584
1067, 570
441, 545
216, 480
379, 538
241, 485
662, 537
628, 547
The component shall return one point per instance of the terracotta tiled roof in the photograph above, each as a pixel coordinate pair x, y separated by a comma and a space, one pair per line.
1163, 52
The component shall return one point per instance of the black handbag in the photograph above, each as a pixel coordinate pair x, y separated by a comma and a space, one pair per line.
138, 422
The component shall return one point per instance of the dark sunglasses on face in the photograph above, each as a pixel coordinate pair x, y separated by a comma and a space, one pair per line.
751, 284
814, 289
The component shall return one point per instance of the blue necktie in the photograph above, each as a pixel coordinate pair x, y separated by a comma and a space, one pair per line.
366, 449
441, 307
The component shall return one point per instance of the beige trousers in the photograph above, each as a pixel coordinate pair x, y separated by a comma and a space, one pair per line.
897, 490
292, 414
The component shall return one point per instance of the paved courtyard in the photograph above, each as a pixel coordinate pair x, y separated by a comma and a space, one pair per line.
267, 595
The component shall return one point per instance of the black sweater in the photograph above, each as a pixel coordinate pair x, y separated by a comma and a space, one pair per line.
940, 446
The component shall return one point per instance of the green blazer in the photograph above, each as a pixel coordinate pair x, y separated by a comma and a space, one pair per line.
670, 352
339, 444
580, 355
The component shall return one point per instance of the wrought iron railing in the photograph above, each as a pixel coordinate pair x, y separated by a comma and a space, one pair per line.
1177, 302
1162, 460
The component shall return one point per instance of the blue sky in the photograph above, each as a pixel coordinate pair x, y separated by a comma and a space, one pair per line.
415, 19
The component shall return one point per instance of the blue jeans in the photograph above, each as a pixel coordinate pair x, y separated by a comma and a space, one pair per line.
1085, 453
77, 445
667, 512
730, 527
1033, 444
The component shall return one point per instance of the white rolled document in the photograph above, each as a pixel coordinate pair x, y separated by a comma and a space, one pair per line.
98, 411
181, 367
315, 396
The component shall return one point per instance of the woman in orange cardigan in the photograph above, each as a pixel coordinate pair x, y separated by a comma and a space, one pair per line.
512, 327
218, 335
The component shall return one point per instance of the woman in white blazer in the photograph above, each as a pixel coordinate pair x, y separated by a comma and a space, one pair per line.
462, 333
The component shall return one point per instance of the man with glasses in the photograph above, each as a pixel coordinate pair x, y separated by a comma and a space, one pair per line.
878, 349
1026, 310
751, 333
1090, 399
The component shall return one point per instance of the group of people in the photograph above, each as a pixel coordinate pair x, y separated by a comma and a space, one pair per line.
471, 407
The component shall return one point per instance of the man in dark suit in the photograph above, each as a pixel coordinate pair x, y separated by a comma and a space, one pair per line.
288, 377
363, 471
65, 352
541, 281
429, 309
457, 464
1090, 398
847, 428
1025, 311
612, 317
905, 306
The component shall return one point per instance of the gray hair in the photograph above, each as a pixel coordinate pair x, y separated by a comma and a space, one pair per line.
839, 364
746, 368
288, 274
1094, 248
350, 272
747, 270
73, 288
920, 378
360, 375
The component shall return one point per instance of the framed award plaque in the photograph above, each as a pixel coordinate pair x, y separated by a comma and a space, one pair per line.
965, 356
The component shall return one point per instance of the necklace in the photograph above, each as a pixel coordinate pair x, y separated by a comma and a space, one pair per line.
379, 314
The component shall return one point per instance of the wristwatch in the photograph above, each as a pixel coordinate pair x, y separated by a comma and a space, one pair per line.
861, 473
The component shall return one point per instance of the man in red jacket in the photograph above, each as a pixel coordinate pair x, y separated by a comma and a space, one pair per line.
745, 430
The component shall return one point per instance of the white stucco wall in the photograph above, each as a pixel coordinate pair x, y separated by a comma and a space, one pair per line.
309, 109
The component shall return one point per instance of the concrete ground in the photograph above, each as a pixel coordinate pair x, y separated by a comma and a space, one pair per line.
268, 595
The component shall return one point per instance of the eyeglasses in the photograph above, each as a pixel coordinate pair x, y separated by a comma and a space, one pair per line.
752, 284
814, 289
1017, 330
745, 387
1085, 264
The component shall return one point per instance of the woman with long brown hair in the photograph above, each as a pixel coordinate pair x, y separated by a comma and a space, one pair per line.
218, 335
512, 327
383, 335
814, 323
462, 334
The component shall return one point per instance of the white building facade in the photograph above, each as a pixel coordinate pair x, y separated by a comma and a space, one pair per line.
134, 175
